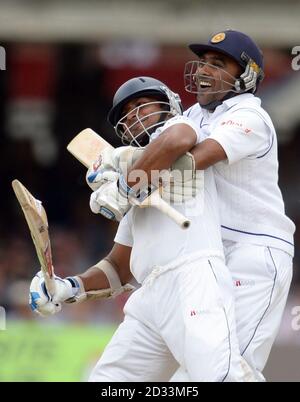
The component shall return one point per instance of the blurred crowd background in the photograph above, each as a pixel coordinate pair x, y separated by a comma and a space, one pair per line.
64, 60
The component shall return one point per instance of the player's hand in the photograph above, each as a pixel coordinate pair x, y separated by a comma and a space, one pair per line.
182, 182
110, 163
99, 177
40, 300
109, 202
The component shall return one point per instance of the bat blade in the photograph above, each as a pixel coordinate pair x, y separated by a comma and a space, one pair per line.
86, 148
37, 221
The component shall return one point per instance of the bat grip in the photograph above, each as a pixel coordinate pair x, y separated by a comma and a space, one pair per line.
50, 284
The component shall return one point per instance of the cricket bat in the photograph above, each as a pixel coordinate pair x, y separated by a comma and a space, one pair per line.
87, 146
37, 221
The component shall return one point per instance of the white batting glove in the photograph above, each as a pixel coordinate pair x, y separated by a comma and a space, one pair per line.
111, 162
40, 300
182, 182
109, 202
96, 179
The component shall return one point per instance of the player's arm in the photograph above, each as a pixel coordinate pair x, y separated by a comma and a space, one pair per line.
162, 152
207, 153
118, 258
246, 135
107, 278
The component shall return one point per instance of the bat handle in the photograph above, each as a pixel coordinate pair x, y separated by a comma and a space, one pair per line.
50, 283
156, 201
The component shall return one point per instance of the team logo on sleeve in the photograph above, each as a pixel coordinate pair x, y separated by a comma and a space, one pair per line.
219, 37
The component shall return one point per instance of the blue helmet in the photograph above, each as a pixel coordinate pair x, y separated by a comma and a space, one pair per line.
236, 45
169, 102
141, 86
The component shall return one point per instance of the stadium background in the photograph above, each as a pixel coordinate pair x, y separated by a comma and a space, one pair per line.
63, 62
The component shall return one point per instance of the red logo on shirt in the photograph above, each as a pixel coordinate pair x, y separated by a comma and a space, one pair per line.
244, 282
235, 123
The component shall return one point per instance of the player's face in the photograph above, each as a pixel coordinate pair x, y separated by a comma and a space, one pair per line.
140, 114
215, 76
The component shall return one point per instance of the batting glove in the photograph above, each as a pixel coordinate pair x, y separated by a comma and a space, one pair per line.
111, 162
109, 201
182, 182
40, 300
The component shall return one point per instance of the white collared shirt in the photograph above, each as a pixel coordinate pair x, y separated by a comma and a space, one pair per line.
251, 204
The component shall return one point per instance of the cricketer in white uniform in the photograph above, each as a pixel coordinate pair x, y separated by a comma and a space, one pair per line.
183, 313
256, 233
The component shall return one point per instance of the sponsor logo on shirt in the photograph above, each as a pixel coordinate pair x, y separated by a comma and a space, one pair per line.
241, 282
212, 310
236, 124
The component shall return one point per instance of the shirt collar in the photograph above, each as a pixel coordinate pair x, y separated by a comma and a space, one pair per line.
229, 103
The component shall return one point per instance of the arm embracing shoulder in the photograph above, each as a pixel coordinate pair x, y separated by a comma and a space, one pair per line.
207, 153
175, 140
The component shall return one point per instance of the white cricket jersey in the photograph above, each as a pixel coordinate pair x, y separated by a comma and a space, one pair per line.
156, 240
251, 204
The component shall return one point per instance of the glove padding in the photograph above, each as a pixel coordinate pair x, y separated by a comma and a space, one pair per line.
110, 163
40, 300
182, 182
248, 79
108, 201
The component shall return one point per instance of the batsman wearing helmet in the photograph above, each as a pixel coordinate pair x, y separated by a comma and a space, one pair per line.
241, 145
183, 313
